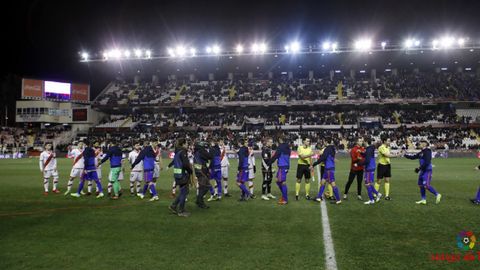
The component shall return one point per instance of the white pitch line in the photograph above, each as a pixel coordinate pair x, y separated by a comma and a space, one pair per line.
330, 260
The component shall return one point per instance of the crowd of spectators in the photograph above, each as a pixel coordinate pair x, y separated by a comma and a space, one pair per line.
427, 85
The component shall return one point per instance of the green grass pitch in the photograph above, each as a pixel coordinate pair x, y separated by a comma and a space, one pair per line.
57, 232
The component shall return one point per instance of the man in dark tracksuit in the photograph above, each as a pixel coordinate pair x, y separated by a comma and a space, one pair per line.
200, 159
182, 172
267, 171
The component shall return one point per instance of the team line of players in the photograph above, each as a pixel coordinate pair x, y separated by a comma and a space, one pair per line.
198, 163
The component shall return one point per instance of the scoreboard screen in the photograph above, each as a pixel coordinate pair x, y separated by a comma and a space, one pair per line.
79, 115
57, 90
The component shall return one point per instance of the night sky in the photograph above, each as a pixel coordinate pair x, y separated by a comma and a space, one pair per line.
44, 37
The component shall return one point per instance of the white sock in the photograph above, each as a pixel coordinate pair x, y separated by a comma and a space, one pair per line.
96, 186
55, 183
139, 186
89, 187
132, 186
225, 186
109, 187
250, 186
70, 184
45, 184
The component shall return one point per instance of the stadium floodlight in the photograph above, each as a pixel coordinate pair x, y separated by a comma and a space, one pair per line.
295, 46
148, 53
263, 48
138, 53
363, 44
208, 49
239, 48
216, 49
180, 51
383, 44
115, 53
193, 52
416, 43
434, 44
326, 45
447, 42
105, 55
85, 56
408, 43
254, 48
334, 46
171, 52
126, 53
461, 42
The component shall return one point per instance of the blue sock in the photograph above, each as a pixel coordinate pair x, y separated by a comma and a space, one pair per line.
374, 190
219, 187
145, 187
423, 192
285, 193
153, 190
478, 195
335, 191
244, 189
212, 190
320, 192
99, 186
370, 192
432, 190
80, 186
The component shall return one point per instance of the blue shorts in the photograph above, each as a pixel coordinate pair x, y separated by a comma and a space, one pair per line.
90, 176
282, 174
216, 174
424, 178
148, 176
369, 177
242, 176
329, 175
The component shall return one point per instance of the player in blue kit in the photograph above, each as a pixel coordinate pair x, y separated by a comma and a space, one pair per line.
369, 177
328, 157
425, 172
147, 155
282, 155
242, 175
90, 171
216, 171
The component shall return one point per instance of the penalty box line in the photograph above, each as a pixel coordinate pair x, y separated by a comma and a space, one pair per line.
330, 260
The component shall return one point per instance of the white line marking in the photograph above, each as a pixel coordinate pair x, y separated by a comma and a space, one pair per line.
330, 261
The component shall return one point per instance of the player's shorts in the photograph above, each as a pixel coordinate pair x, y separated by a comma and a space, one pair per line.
384, 171
114, 174
216, 174
242, 176
225, 172
282, 174
156, 171
424, 178
50, 173
136, 176
329, 175
120, 176
251, 174
76, 172
147, 176
303, 171
369, 177
90, 175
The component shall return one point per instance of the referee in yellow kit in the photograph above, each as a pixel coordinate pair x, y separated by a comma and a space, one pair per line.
384, 170
305, 154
